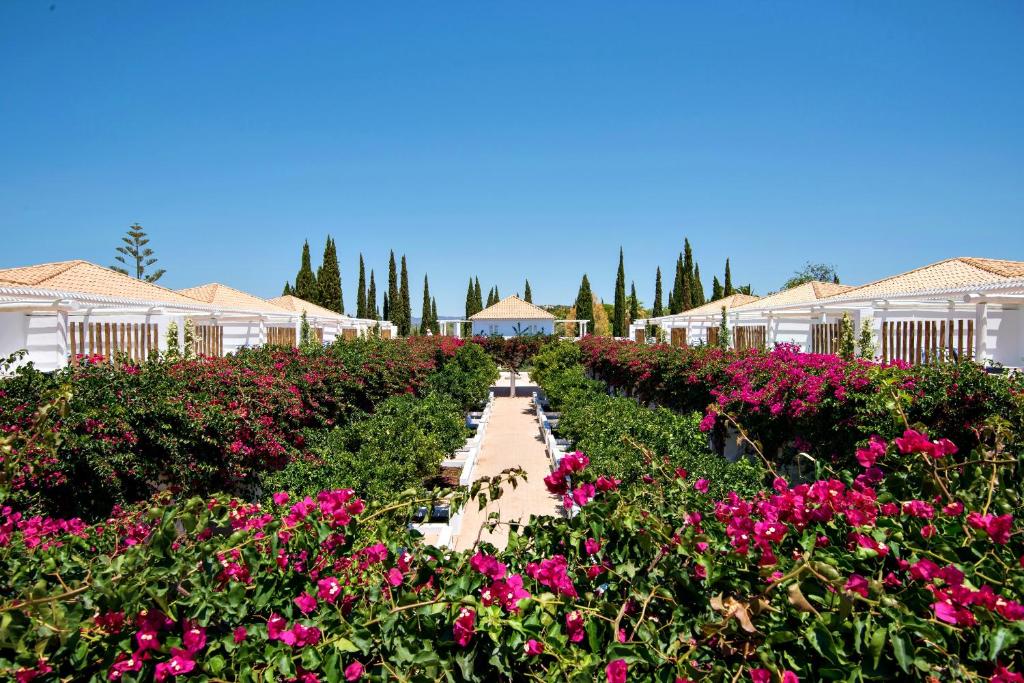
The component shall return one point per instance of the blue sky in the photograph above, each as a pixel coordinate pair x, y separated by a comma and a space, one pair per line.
512, 140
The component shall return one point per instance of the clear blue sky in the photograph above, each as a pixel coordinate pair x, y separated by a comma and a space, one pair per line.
512, 140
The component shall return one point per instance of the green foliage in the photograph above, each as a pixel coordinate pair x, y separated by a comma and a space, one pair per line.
305, 281
362, 309
846, 338
585, 303
727, 285
618, 316
393, 299
723, 330
527, 293
467, 378
657, 311
371, 299
328, 280
405, 310
135, 257
172, 341
189, 339
716, 289
812, 272
866, 341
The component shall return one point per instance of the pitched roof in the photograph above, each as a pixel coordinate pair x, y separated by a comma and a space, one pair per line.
297, 305
808, 292
712, 307
512, 308
958, 273
229, 297
88, 278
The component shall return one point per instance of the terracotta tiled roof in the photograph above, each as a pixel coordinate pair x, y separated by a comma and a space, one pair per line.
297, 305
512, 308
808, 292
88, 278
951, 274
712, 307
221, 295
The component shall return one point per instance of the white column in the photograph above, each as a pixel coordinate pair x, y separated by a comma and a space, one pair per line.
981, 353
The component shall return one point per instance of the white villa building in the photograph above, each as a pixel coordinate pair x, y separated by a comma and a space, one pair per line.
512, 317
961, 307
59, 312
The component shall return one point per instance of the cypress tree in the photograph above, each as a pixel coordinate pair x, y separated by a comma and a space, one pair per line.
698, 287
716, 289
329, 280
287, 289
305, 281
371, 300
391, 301
727, 287
657, 312
406, 307
634, 305
688, 298
470, 299
619, 307
478, 297
435, 324
585, 303
361, 309
527, 294
497, 296
678, 302
425, 322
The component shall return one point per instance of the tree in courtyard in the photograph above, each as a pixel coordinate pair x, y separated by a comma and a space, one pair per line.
435, 324
329, 280
371, 299
527, 294
688, 298
723, 330
716, 289
697, 287
866, 342
478, 296
657, 312
425, 322
678, 302
619, 310
846, 340
812, 272
135, 257
634, 305
361, 311
406, 307
392, 301
585, 302
727, 289
305, 282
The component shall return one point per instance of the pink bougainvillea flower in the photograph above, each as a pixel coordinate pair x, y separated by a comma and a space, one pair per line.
180, 663
574, 626
281, 497
194, 637
328, 589
147, 640
464, 626
872, 452
533, 647
240, 634
760, 675
553, 573
701, 485
592, 546
998, 527
305, 602
488, 566
789, 677
354, 671
857, 584
616, 671
395, 577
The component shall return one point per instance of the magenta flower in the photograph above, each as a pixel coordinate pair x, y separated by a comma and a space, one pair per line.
464, 626
701, 485
194, 638
574, 626
395, 577
328, 589
180, 663
616, 671
354, 671
281, 497
592, 545
240, 634
857, 584
305, 602
533, 647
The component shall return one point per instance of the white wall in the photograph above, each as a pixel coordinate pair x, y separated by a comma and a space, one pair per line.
13, 332
507, 328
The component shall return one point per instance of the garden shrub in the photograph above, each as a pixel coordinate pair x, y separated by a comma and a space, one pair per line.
466, 378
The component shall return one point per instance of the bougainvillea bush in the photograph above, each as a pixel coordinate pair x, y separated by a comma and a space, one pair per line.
908, 567
814, 402
207, 424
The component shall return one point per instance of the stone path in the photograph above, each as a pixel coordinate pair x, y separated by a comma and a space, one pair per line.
512, 440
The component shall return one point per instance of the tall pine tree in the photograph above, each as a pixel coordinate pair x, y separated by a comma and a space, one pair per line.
527, 294
657, 311
698, 287
425, 323
585, 303
634, 305
619, 307
727, 289
361, 310
329, 280
478, 296
392, 303
688, 299
435, 324
678, 303
305, 282
287, 289
406, 307
371, 300
716, 289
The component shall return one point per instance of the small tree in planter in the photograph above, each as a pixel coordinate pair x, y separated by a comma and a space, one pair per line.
190, 338
173, 350
846, 343
723, 331
866, 342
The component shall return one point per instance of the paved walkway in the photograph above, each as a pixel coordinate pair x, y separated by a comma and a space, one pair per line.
512, 440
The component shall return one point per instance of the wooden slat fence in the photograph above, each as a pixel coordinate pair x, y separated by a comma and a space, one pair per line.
209, 340
640, 335
825, 338
349, 333
927, 341
712, 336
749, 337
281, 336
678, 337
135, 341
385, 333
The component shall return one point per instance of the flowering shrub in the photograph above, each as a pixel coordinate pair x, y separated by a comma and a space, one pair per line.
809, 400
200, 425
